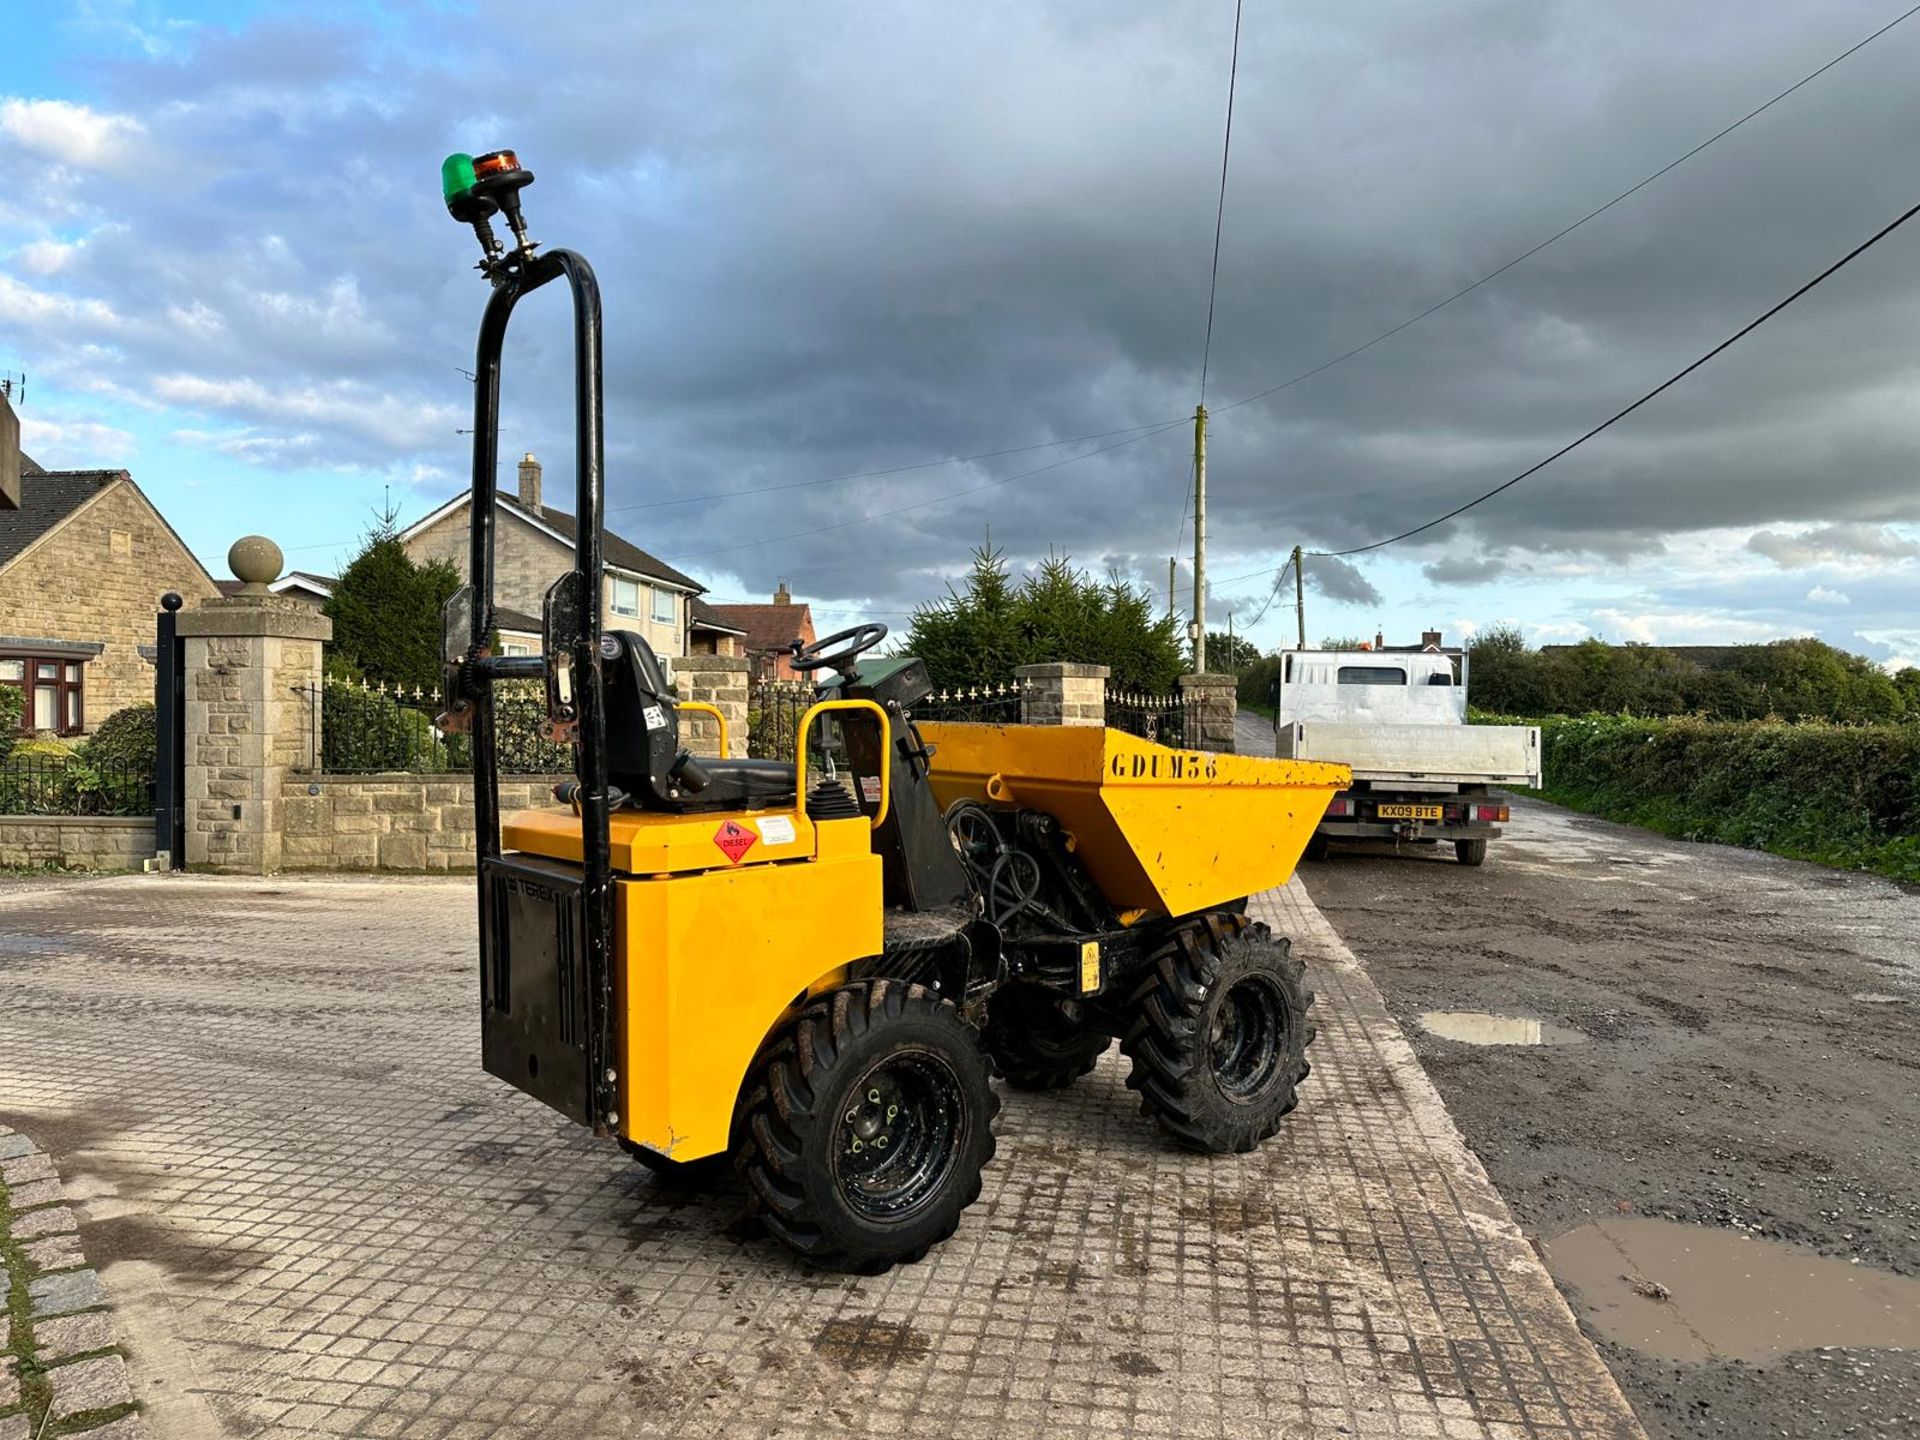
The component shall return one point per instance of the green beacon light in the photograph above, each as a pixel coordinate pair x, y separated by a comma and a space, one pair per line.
456, 183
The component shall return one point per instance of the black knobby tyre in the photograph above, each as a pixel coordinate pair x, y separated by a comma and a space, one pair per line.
866, 1126
1035, 1043
1219, 1034
1470, 852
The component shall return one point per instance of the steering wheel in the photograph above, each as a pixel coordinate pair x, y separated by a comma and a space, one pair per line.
820, 655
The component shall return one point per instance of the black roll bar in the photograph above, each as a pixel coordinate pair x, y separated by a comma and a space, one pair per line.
512, 281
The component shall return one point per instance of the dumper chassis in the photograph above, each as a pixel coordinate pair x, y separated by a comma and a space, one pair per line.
725, 964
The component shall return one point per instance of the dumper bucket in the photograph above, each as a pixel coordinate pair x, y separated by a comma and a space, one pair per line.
1160, 830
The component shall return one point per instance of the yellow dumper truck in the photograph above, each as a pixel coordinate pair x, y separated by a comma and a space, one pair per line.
806, 970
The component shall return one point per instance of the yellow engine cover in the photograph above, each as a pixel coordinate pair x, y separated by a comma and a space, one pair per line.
713, 943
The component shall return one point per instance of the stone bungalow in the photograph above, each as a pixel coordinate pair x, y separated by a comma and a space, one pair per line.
84, 561
533, 546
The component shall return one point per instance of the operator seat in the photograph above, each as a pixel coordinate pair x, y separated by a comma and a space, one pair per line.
644, 757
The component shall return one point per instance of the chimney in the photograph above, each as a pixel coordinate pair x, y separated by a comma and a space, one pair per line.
1430, 639
1379, 639
783, 596
9, 456
530, 482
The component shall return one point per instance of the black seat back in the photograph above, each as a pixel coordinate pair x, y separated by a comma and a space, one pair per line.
643, 728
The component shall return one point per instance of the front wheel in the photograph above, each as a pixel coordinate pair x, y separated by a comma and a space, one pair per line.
1470, 852
1219, 1034
867, 1126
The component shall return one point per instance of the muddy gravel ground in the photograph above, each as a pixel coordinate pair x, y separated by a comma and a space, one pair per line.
1745, 1055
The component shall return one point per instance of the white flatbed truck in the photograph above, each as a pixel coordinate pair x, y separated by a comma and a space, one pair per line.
1399, 717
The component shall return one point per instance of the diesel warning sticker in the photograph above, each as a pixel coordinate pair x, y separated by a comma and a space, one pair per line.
734, 840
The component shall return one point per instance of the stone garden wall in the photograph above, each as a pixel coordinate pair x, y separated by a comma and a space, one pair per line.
391, 822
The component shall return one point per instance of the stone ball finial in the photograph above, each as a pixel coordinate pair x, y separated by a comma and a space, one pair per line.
256, 562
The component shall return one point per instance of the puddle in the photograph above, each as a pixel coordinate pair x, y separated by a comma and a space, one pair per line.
1686, 1293
1474, 1027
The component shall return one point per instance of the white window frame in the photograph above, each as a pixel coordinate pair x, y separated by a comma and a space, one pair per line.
631, 612
673, 611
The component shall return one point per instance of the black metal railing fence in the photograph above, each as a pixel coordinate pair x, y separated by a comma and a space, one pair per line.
46, 784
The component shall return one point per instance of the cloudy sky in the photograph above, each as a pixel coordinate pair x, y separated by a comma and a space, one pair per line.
843, 238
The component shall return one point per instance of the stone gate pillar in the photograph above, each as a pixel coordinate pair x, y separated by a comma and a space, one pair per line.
252, 665
719, 681
1211, 702
1062, 693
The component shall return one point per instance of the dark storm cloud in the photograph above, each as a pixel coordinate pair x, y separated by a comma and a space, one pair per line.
838, 238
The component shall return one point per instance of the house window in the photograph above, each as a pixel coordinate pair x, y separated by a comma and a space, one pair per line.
663, 611
55, 692
515, 647
626, 597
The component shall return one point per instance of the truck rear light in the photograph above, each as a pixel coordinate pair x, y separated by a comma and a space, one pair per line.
1490, 814
1340, 806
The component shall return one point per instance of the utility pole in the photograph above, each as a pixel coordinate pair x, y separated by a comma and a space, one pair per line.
1200, 539
1169, 587
1299, 597
1300, 600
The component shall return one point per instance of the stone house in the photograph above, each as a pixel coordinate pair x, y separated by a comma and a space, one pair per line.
533, 547
84, 560
769, 632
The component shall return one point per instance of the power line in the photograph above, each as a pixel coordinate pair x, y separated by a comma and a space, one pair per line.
1666, 384
1272, 594
936, 500
1568, 230
1220, 212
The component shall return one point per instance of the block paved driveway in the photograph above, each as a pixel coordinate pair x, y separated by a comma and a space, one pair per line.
316, 1215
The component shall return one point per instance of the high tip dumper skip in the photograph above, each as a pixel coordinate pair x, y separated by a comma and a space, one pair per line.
807, 969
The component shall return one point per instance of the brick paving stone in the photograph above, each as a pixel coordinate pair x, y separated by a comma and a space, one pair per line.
267, 1070
9, 1385
71, 1335
95, 1384
53, 1220
13, 1145
15, 1427
27, 1167
64, 1293
55, 1252
34, 1192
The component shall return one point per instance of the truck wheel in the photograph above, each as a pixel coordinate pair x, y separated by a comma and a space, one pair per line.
1316, 848
1035, 1043
1470, 852
866, 1127
702, 1174
1219, 1035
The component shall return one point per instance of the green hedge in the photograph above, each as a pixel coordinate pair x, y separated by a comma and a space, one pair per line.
1843, 795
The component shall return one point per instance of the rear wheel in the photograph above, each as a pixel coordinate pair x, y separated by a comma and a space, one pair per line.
1470, 852
1219, 1035
867, 1126
1035, 1042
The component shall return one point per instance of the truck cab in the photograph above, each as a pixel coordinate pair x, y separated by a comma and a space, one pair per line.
1421, 773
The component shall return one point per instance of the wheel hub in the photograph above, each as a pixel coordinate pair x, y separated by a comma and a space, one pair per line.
1248, 1038
897, 1136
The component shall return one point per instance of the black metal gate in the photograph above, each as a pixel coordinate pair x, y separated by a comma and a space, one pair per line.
170, 735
